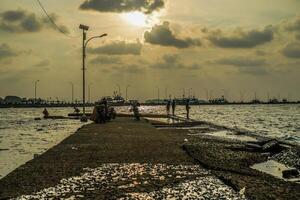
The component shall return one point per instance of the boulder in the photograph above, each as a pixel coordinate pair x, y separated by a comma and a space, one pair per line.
272, 146
290, 173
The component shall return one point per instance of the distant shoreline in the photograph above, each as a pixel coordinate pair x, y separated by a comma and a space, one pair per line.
127, 104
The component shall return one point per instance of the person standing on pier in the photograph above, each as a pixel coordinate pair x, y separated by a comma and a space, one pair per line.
187, 107
168, 107
173, 107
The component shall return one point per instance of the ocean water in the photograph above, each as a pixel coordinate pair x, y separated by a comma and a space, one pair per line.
275, 121
21, 137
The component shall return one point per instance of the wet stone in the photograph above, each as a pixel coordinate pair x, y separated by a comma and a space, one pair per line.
140, 181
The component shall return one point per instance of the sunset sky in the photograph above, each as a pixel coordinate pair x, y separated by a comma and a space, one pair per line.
236, 46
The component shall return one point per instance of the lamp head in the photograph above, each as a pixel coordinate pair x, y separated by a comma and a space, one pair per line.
83, 27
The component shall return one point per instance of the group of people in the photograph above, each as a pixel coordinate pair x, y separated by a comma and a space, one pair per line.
173, 105
103, 113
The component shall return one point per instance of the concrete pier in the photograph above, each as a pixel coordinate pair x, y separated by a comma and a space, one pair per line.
129, 159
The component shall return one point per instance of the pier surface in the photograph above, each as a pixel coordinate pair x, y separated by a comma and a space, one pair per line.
129, 159
122, 145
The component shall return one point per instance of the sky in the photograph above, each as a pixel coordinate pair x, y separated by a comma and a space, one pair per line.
236, 48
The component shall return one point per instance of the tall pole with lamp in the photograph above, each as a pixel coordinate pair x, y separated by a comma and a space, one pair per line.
85, 42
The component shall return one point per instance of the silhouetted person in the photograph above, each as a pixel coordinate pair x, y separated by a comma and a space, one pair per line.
76, 110
136, 112
173, 107
168, 107
45, 113
187, 107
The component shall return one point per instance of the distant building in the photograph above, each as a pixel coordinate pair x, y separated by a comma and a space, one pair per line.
1, 100
13, 100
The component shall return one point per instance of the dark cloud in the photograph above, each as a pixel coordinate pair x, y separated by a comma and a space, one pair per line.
292, 50
31, 24
6, 51
171, 62
162, 35
106, 60
118, 48
241, 39
246, 65
21, 21
145, 6
13, 15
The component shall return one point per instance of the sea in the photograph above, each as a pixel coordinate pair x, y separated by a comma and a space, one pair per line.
22, 137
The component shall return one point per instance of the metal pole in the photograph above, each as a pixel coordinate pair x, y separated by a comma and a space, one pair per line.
166, 93
127, 91
72, 90
35, 85
83, 70
119, 87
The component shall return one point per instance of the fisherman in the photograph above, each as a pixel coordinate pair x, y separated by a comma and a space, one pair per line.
45, 113
135, 109
173, 107
168, 107
76, 110
187, 107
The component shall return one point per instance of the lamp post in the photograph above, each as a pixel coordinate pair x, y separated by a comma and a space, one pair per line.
166, 93
72, 91
84, 45
35, 85
183, 91
190, 89
119, 89
127, 91
90, 92
157, 95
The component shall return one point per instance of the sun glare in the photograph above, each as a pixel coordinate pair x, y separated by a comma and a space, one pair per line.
135, 18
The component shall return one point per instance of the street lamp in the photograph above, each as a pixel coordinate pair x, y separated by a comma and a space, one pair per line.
183, 91
35, 85
84, 45
119, 87
72, 88
127, 91
157, 95
90, 92
190, 89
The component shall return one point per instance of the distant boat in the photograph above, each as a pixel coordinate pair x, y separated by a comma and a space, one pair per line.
117, 100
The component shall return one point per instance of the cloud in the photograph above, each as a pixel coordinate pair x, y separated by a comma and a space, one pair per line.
118, 48
128, 69
171, 62
118, 6
241, 39
292, 50
42, 63
246, 65
297, 37
6, 51
162, 35
241, 62
106, 60
13, 15
293, 25
21, 21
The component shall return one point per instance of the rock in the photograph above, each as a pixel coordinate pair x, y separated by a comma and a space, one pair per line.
272, 146
290, 173
253, 147
37, 119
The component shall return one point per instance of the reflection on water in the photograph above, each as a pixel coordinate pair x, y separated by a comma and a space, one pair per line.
280, 121
21, 136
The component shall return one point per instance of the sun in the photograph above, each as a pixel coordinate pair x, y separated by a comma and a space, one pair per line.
135, 18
